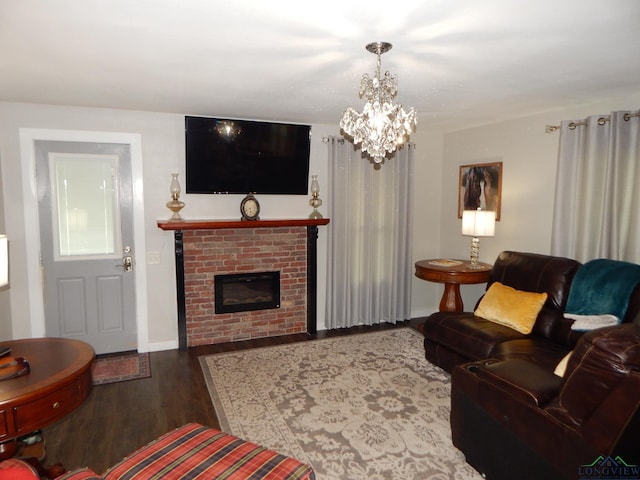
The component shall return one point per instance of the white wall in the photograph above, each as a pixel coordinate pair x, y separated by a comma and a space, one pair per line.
163, 153
427, 204
529, 157
527, 152
5, 304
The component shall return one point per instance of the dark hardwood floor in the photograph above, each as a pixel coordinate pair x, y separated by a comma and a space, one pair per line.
120, 417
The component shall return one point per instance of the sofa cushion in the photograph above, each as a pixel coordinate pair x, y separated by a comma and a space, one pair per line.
510, 307
470, 336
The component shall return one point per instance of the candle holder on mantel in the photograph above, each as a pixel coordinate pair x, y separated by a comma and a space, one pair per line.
315, 201
175, 205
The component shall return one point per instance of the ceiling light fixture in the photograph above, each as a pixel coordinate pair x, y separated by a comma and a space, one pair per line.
382, 126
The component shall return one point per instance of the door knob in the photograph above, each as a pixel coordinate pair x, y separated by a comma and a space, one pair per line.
127, 264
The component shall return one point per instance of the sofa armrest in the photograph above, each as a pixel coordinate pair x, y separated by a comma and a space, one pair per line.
519, 378
503, 432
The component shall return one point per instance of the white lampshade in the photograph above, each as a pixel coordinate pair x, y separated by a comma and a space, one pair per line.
4, 261
478, 223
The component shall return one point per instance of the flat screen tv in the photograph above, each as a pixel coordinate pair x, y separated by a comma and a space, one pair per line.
243, 156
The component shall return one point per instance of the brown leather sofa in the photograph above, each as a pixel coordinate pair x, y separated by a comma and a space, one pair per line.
451, 339
511, 415
515, 419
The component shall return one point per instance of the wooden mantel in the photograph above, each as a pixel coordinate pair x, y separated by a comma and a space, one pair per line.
217, 224
179, 227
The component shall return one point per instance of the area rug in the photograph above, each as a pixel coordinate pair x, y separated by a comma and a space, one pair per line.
366, 406
120, 367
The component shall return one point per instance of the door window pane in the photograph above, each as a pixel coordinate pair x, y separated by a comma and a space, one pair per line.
86, 207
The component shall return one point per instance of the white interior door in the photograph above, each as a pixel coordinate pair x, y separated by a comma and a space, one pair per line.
87, 243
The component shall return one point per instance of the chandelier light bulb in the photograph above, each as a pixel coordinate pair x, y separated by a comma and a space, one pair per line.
382, 126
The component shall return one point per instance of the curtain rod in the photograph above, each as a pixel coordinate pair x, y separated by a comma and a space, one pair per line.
601, 121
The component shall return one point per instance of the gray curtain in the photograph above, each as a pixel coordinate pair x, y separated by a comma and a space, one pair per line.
369, 237
598, 189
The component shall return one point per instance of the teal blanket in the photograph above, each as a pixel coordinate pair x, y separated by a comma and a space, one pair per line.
603, 286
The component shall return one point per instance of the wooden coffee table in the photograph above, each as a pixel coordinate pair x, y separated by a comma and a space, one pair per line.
452, 273
59, 381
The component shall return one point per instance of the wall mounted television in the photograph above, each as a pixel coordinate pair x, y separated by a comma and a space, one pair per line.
242, 156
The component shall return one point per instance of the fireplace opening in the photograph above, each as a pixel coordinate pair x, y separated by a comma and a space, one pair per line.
241, 292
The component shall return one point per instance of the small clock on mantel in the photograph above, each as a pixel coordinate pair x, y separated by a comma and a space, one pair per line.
250, 208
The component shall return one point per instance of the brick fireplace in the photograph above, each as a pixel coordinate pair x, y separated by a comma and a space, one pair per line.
205, 249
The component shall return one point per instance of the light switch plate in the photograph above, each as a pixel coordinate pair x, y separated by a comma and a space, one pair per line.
153, 258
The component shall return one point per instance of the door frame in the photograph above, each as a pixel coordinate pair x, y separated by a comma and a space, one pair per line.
28, 136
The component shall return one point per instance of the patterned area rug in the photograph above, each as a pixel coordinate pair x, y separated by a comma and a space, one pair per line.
120, 367
365, 406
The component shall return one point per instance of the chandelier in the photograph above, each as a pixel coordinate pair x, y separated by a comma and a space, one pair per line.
382, 126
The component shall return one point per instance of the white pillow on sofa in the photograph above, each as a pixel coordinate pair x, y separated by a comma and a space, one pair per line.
562, 366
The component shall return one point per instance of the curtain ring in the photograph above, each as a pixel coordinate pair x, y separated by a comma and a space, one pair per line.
572, 126
602, 120
627, 117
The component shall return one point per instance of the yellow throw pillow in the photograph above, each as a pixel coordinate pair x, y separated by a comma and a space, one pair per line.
510, 307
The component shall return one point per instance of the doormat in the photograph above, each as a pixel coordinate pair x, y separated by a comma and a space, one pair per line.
120, 367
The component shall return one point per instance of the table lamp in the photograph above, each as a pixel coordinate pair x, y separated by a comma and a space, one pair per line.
478, 223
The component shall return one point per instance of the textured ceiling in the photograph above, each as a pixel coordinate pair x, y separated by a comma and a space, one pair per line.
459, 63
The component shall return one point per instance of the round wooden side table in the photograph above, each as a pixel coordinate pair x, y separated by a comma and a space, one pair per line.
452, 273
58, 382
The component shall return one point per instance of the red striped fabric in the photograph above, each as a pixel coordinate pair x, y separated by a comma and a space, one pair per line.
79, 474
197, 452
